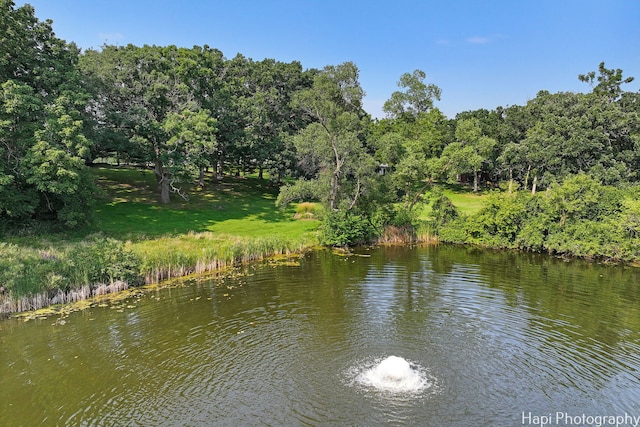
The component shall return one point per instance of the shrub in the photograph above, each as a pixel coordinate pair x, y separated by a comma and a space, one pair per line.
343, 228
26, 271
103, 260
443, 210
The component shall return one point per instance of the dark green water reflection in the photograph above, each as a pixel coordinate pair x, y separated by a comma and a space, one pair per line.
498, 334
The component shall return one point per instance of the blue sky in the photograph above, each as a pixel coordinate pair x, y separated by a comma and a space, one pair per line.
481, 53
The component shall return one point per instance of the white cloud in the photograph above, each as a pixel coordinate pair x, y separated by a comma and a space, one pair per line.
483, 39
478, 40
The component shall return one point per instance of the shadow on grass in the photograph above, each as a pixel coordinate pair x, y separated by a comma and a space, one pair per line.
241, 206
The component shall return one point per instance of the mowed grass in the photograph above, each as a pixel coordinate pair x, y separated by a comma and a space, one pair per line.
245, 207
231, 221
463, 198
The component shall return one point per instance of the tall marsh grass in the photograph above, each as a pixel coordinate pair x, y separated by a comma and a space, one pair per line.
392, 234
32, 279
170, 257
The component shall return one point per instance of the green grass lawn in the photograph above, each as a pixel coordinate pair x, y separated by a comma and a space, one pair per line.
463, 198
244, 207
234, 219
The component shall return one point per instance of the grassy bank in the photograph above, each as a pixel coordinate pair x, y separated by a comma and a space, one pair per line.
135, 240
463, 198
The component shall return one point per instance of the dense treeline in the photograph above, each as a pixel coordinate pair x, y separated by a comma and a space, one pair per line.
186, 110
44, 123
567, 162
579, 217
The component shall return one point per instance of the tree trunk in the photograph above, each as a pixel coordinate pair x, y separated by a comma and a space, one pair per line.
418, 194
163, 183
219, 168
201, 178
535, 183
260, 172
164, 191
333, 195
475, 181
335, 179
526, 178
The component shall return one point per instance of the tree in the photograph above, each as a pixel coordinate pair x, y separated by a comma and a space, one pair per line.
467, 154
574, 133
191, 143
43, 147
413, 133
417, 98
268, 113
144, 90
609, 82
331, 149
406, 146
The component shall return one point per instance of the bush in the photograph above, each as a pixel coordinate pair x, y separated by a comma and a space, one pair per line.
26, 271
580, 217
103, 260
443, 210
454, 231
343, 228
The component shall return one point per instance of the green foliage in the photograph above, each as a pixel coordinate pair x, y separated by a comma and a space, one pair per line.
102, 260
442, 210
185, 110
42, 124
28, 272
580, 217
300, 190
609, 81
417, 98
344, 228
405, 146
468, 154
341, 172
401, 216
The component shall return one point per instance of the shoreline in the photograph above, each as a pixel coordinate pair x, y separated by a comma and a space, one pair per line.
237, 252
231, 252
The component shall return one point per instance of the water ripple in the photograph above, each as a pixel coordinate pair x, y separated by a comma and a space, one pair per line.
488, 335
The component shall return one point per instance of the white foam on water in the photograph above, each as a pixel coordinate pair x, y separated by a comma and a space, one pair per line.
394, 374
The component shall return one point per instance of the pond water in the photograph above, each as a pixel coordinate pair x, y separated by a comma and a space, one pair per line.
428, 336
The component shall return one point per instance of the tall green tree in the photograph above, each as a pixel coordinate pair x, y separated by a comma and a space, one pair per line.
413, 133
269, 115
575, 133
43, 146
191, 143
143, 89
468, 154
609, 84
416, 98
338, 167
405, 147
